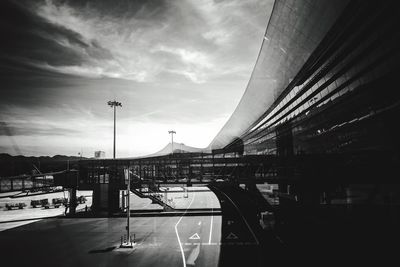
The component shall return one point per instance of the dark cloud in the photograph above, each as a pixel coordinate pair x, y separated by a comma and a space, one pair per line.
17, 129
29, 87
31, 41
140, 9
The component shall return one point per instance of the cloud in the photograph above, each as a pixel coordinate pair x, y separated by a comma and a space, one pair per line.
104, 32
34, 42
95, 39
171, 63
198, 33
32, 129
195, 65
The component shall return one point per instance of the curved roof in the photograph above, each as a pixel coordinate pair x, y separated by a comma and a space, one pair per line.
294, 30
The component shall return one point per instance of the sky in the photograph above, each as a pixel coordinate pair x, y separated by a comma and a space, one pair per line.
173, 64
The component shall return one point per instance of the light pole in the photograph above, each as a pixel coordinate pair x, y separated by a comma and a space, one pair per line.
114, 104
172, 132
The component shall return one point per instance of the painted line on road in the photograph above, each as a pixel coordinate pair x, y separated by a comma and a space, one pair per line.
222, 244
30, 219
177, 235
211, 226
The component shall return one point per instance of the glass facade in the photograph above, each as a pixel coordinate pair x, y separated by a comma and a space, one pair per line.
347, 80
294, 31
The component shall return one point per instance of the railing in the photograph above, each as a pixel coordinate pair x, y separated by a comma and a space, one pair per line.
25, 183
156, 197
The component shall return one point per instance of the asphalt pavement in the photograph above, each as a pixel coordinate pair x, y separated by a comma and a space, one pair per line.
160, 241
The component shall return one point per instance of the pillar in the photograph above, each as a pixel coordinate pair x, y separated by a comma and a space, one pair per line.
106, 198
72, 201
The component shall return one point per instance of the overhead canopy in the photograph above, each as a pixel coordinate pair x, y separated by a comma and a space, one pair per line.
295, 29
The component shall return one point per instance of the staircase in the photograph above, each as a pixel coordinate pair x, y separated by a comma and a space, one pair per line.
156, 197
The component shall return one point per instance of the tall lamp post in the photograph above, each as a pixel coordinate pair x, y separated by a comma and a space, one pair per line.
114, 104
172, 132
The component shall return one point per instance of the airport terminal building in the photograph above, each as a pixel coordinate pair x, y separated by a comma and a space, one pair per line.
317, 125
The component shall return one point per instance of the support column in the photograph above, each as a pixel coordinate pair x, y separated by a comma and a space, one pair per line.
123, 200
201, 168
284, 148
106, 198
213, 170
113, 199
72, 201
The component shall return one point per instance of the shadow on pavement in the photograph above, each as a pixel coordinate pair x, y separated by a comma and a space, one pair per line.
102, 250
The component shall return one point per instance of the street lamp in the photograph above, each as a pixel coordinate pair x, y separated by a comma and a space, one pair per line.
114, 104
172, 132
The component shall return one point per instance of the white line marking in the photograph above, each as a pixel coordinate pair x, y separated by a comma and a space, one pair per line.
203, 244
177, 235
211, 226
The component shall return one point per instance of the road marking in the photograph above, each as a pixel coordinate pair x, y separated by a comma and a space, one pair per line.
222, 244
195, 236
232, 236
176, 231
199, 223
211, 226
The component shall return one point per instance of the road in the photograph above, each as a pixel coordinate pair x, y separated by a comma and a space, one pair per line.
160, 241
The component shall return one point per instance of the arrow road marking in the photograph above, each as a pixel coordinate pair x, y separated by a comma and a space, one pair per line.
195, 236
232, 236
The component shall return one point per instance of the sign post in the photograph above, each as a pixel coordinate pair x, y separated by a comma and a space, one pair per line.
126, 241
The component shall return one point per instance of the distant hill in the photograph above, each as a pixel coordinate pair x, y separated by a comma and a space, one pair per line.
17, 165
